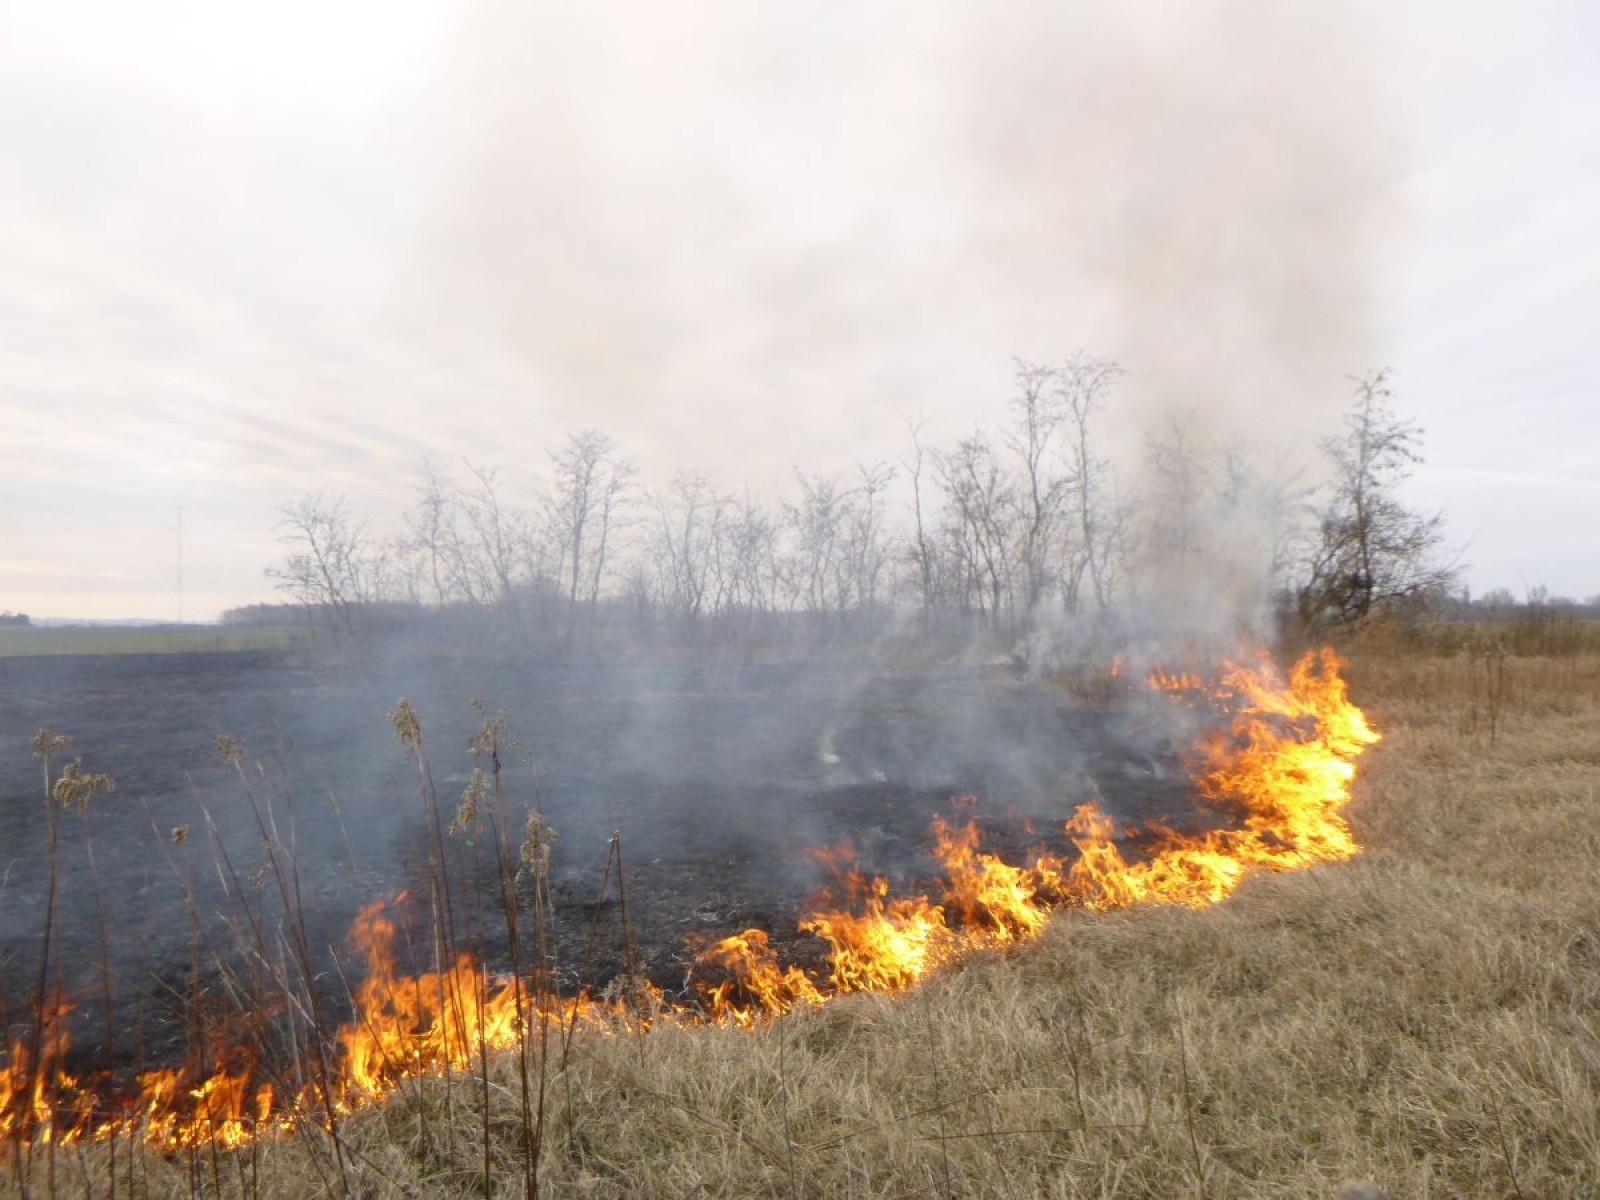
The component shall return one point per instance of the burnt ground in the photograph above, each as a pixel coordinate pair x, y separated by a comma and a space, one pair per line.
716, 780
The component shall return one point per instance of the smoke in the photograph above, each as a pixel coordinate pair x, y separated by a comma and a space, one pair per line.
762, 236
738, 227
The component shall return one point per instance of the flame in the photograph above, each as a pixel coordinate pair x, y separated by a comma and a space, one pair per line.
1285, 763
409, 1025
1281, 766
755, 983
888, 945
1005, 902
1181, 681
35, 1089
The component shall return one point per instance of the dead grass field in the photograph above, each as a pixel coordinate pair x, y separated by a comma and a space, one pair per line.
1426, 1017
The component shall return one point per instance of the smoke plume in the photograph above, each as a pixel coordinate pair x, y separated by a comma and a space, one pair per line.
777, 217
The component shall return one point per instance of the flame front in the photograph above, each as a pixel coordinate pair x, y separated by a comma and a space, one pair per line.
1283, 762
1282, 765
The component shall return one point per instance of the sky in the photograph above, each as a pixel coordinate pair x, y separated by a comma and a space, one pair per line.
249, 252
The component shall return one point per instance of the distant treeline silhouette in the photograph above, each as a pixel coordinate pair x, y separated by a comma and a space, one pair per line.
1022, 534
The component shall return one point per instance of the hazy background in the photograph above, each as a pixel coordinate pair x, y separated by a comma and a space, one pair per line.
247, 254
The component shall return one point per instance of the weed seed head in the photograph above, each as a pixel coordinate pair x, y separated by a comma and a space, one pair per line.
534, 852
469, 821
407, 725
227, 750
47, 742
76, 786
490, 735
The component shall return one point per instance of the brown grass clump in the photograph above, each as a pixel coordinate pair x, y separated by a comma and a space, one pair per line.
1426, 1017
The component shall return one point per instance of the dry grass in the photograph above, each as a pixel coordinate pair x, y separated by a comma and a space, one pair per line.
1426, 1016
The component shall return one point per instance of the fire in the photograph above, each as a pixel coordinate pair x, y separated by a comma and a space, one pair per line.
755, 983
35, 1081
1285, 763
410, 1025
1005, 902
1179, 681
1280, 766
888, 945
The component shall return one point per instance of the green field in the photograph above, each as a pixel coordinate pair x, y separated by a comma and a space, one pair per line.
155, 639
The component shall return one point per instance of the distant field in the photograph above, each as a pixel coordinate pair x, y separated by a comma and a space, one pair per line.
159, 639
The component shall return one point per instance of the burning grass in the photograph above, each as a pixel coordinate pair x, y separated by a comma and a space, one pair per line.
1421, 1015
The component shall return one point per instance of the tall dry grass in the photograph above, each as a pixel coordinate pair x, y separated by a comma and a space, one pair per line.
1426, 1017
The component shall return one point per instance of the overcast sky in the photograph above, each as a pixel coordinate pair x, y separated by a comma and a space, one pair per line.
248, 252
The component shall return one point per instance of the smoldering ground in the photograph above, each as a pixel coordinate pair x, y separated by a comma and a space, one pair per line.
716, 778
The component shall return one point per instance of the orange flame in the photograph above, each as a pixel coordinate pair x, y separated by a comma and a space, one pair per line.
1282, 765
755, 983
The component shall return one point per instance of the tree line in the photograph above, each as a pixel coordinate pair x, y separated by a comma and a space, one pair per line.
1008, 531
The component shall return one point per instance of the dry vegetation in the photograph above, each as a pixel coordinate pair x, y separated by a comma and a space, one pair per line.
1426, 1017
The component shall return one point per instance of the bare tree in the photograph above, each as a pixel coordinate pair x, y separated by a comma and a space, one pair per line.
1185, 577
432, 541
868, 545
1179, 483
502, 556
330, 566
980, 505
921, 551
688, 517
1042, 507
1372, 550
745, 570
1268, 507
1082, 383
815, 522
591, 486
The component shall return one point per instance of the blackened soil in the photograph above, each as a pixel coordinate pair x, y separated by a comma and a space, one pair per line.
685, 799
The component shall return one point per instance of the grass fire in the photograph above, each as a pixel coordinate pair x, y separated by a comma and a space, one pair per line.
1274, 769
740, 601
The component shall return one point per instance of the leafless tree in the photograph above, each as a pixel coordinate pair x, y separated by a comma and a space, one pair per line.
745, 569
1371, 550
432, 540
980, 511
591, 487
921, 550
502, 555
815, 522
1270, 504
1082, 383
1178, 485
330, 565
688, 516
868, 543
1044, 491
